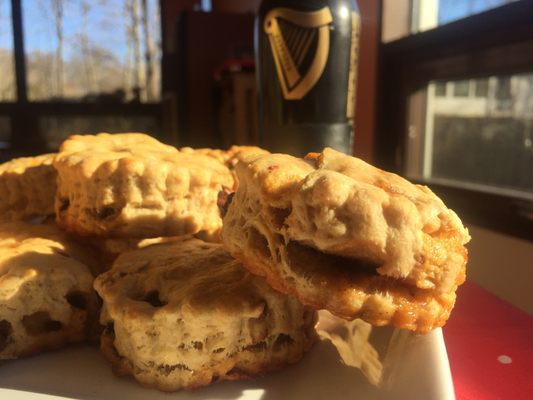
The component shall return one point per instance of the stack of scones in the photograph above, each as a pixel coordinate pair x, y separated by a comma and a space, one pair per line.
192, 266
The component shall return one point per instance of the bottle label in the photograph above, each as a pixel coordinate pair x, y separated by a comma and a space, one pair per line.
300, 47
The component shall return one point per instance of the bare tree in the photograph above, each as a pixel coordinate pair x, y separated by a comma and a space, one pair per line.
57, 8
148, 53
156, 26
88, 64
40, 67
7, 81
128, 79
132, 9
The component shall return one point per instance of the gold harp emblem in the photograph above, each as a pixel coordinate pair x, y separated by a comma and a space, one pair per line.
292, 34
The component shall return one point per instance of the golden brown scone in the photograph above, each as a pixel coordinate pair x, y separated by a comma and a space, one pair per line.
27, 188
46, 294
217, 154
20, 231
343, 235
185, 314
115, 142
239, 153
109, 249
130, 185
228, 157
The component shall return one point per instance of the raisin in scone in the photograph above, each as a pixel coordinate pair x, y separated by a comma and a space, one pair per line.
185, 314
130, 185
46, 294
27, 188
345, 236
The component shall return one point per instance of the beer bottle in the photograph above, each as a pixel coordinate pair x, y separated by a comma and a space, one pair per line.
306, 58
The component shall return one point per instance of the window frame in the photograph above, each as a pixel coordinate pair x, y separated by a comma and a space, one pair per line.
24, 114
496, 42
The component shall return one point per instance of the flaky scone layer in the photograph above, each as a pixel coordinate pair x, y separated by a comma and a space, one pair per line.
130, 185
389, 251
46, 295
184, 314
27, 188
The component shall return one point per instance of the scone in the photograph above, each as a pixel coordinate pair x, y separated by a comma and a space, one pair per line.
27, 188
184, 314
46, 294
109, 249
50, 233
130, 185
228, 157
342, 235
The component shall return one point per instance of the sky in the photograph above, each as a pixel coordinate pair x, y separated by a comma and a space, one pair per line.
6, 41
451, 10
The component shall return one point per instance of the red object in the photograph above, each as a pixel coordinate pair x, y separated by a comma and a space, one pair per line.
490, 347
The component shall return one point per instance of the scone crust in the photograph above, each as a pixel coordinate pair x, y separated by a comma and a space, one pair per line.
109, 249
130, 185
391, 252
27, 188
115, 142
46, 295
229, 157
184, 314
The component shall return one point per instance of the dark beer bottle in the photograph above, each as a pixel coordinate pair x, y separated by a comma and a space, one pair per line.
306, 57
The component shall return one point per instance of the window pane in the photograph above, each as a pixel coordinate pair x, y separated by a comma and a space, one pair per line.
482, 87
461, 88
405, 17
481, 140
7, 62
452, 10
503, 96
440, 89
92, 50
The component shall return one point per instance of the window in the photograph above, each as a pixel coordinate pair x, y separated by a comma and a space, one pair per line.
81, 66
475, 139
90, 51
455, 109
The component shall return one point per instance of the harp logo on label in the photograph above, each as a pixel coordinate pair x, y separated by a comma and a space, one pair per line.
300, 47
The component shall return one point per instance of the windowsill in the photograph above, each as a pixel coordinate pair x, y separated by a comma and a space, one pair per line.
507, 215
502, 265
476, 187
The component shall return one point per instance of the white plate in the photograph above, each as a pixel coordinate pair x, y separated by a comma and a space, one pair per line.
408, 366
